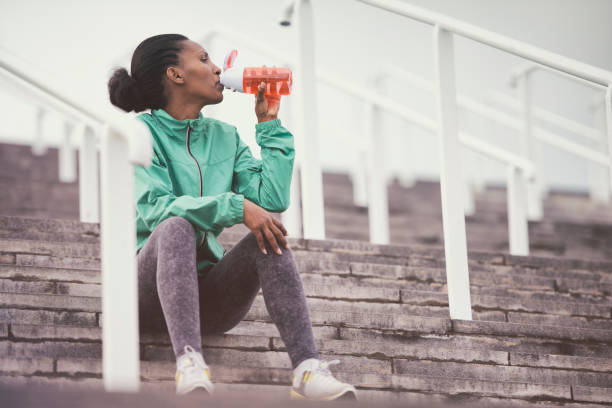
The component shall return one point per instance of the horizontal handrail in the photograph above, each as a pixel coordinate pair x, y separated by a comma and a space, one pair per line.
497, 153
528, 68
28, 81
513, 123
501, 42
547, 116
385, 103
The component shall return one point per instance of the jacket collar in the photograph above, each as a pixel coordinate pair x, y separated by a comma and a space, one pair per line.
175, 127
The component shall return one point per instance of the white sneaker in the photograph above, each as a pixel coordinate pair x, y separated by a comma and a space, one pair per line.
192, 372
312, 380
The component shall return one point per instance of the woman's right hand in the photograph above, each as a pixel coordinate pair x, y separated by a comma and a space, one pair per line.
262, 224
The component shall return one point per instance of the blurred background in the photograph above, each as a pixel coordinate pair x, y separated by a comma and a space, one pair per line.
79, 42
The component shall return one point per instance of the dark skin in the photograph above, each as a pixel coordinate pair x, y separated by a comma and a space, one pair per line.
193, 84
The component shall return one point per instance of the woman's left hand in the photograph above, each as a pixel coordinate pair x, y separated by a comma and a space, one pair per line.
266, 107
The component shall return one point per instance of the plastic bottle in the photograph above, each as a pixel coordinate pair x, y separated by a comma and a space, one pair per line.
247, 79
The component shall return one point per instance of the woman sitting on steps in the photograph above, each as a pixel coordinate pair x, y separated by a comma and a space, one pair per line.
203, 178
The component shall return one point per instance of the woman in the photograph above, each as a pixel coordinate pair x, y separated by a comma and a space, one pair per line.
202, 179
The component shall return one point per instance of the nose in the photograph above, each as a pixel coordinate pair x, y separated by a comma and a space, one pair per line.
217, 70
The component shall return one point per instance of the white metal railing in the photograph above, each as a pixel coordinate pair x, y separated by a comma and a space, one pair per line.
123, 142
377, 199
520, 170
454, 224
601, 185
593, 156
520, 167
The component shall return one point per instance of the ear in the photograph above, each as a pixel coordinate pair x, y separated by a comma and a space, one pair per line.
175, 74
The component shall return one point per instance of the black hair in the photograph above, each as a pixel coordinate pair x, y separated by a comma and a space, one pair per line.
144, 89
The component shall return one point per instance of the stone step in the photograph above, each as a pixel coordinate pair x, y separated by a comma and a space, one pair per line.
86, 256
66, 237
27, 226
377, 300
161, 393
67, 309
49, 225
278, 376
386, 288
503, 373
316, 286
69, 341
418, 343
18, 162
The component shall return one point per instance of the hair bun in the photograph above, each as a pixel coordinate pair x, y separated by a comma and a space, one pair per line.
124, 92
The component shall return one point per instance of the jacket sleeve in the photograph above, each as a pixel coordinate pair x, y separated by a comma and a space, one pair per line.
155, 202
266, 182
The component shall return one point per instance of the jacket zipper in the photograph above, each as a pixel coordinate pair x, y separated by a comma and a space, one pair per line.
194, 159
199, 172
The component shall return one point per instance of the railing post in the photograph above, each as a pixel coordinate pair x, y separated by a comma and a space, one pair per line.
291, 218
518, 232
358, 169
534, 193
469, 206
455, 246
39, 145
599, 186
66, 157
89, 194
608, 108
312, 183
378, 205
120, 337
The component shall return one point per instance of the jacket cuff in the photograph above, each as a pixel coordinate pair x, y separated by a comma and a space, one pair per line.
267, 125
237, 208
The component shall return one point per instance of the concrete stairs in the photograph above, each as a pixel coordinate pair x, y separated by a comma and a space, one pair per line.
541, 333
573, 226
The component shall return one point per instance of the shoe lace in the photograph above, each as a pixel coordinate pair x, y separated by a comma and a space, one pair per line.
197, 361
323, 367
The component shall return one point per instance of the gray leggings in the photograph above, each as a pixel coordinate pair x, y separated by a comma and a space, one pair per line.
173, 297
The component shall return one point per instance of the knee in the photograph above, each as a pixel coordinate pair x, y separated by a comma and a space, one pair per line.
178, 228
254, 247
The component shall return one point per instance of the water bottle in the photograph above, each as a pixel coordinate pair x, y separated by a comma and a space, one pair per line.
247, 79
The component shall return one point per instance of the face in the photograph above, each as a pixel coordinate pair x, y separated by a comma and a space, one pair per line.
196, 78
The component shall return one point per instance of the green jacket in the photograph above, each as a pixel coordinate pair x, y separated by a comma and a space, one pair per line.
202, 171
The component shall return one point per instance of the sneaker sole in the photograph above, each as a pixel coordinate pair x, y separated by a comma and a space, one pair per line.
345, 395
196, 389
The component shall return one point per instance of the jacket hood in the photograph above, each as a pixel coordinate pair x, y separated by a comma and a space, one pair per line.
175, 127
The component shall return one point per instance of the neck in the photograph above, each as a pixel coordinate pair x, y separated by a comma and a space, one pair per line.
183, 110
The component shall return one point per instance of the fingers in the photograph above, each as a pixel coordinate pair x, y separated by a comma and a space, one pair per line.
260, 92
279, 236
272, 240
273, 104
260, 241
281, 227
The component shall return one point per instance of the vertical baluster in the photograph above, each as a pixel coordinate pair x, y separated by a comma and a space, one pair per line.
608, 108
120, 336
599, 186
39, 145
292, 218
311, 183
67, 157
89, 193
534, 193
455, 246
378, 206
517, 212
